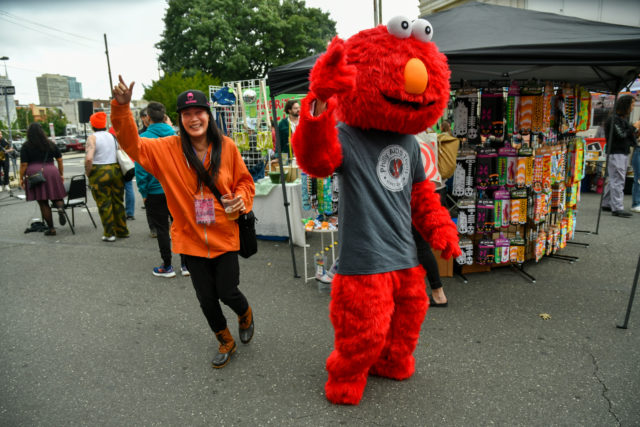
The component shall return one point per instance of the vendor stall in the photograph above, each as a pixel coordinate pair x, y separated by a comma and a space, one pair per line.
556, 48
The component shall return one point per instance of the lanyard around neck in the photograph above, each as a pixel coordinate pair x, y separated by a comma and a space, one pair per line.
205, 154
204, 158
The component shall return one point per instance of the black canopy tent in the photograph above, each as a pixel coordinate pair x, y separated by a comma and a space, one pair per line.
486, 43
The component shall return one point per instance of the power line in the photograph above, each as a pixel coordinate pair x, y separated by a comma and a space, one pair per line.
10, 15
45, 33
24, 69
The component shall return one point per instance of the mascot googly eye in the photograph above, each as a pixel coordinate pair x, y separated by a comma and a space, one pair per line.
399, 26
422, 30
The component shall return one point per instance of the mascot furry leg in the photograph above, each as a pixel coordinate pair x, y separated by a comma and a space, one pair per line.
377, 320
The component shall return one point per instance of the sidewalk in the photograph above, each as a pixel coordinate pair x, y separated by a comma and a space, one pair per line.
90, 337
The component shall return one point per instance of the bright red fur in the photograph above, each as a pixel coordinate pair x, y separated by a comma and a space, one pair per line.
377, 317
433, 221
377, 320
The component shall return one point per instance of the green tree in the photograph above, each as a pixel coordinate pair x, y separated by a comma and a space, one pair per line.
25, 118
59, 120
239, 40
15, 130
167, 89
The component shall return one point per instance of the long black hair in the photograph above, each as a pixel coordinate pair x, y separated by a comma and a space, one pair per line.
623, 105
38, 139
214, 137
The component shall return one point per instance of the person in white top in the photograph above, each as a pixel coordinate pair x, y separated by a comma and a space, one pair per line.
106, 179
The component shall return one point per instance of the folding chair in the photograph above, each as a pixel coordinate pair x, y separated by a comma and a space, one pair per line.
76, 198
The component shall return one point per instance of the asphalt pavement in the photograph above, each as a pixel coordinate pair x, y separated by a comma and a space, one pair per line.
88, 336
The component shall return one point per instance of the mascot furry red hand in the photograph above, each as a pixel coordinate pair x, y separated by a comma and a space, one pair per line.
383, 85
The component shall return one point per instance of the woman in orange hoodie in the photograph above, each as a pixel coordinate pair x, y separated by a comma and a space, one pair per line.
188, 167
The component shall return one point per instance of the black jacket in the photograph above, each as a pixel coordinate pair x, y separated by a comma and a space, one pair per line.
624, 135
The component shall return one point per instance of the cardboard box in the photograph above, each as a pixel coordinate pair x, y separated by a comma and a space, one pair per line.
445, 266
476, 268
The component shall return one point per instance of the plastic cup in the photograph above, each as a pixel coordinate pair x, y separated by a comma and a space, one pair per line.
229, 200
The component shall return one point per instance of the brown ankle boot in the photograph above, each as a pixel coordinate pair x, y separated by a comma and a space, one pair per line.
226, 349
245, 323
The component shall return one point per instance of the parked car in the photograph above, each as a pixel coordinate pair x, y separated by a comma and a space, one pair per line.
75, 143
61, 143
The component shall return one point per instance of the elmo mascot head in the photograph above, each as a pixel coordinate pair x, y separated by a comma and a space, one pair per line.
402, 79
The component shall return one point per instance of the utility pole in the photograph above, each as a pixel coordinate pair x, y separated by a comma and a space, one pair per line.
5, 90
6, 103
106, 51
377, 12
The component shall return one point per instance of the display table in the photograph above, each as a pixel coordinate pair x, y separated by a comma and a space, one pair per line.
268, 207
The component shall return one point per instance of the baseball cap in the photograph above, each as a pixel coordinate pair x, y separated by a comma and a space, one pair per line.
192, 98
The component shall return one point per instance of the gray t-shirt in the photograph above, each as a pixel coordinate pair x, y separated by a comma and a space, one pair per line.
375, 179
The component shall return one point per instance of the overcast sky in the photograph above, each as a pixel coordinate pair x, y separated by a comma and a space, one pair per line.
67, 37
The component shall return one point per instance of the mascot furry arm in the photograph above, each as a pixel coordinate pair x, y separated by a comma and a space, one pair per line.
433, 221
330, 76
319, 153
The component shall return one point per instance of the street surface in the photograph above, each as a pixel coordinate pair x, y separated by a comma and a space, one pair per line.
88, 336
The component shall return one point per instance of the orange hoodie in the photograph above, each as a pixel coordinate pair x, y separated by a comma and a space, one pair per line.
164, 159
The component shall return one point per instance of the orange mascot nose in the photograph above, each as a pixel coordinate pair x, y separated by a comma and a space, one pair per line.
415, 76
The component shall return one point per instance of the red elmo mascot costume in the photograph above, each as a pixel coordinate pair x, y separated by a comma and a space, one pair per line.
383, 85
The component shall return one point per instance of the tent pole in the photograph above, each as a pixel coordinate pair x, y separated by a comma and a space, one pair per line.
283, 184
631, 297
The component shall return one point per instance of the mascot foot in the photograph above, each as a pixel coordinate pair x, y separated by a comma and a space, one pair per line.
345, 392
394, 369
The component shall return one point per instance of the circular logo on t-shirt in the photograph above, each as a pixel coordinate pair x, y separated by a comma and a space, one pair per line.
393, 168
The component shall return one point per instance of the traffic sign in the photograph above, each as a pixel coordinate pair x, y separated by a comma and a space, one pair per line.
7, 90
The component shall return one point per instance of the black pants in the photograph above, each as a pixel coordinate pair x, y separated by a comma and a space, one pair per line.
5, 169
425, 255
216, 280
158, 211
427, 260
149, 221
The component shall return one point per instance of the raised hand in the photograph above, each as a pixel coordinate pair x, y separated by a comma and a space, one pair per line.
121, 93
331, 75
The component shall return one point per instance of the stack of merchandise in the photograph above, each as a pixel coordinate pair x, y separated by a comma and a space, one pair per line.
519, 169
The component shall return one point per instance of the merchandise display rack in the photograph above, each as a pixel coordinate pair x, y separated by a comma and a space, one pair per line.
245, 118
517, 182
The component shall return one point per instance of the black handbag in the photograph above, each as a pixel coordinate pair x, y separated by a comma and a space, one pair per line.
38, 178
247, 226
248, 239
